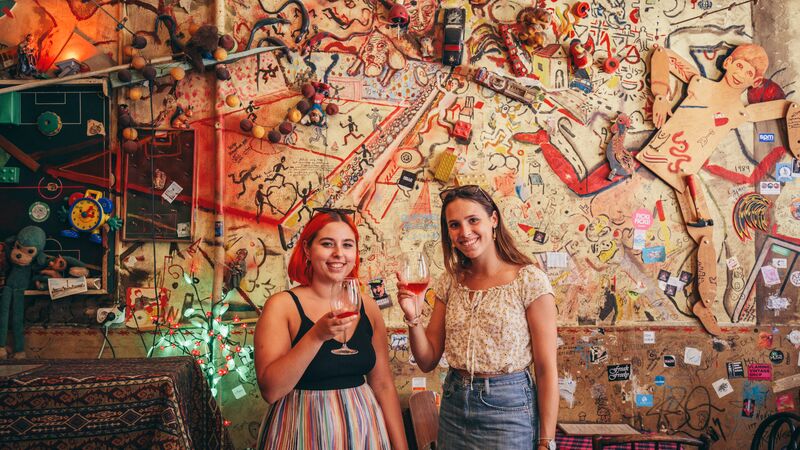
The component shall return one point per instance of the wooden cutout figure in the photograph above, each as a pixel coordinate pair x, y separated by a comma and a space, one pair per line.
685, 141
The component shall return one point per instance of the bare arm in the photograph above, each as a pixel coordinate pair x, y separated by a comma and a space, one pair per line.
663, 62
541, 316
278, 365
427, 344
381, 381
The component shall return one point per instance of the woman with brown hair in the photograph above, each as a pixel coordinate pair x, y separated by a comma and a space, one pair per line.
494, 314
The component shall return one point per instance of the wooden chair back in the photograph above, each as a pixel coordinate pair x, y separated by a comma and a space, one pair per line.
424, 419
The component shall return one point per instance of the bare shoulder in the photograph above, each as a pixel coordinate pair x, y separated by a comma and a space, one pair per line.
276, 305
372, 310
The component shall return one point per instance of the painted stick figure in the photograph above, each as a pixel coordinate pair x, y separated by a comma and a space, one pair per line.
351, 128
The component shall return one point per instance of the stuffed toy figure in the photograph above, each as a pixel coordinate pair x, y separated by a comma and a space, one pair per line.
25, 254
56, 267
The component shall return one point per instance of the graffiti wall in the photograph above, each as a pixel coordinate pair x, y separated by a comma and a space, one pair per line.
358, 111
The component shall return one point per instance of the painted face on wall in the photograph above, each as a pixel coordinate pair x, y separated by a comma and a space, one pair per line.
469, 227
333, 251
421, 15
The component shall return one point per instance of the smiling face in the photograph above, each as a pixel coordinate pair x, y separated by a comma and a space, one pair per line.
740, 74
470, 227
333, 252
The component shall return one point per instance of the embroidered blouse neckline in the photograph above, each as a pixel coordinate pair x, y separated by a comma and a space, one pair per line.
499, 286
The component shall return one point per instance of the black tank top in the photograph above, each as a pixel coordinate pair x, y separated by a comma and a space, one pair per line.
328, 371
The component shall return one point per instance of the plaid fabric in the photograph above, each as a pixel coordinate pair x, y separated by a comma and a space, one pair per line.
570, 442
109, 403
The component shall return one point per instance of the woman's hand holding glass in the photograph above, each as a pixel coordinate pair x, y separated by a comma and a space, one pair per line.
345, 304
412, 282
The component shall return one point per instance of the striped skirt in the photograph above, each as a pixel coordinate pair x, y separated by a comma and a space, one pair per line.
337, 419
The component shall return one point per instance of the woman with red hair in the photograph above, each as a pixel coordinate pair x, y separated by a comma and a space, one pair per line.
319, 400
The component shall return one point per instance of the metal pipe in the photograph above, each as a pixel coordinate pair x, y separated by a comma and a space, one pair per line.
219, 172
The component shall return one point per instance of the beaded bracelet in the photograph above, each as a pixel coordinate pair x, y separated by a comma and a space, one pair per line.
411, 323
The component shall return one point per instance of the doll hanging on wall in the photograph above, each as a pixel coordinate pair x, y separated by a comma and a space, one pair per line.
25, 254
710, 110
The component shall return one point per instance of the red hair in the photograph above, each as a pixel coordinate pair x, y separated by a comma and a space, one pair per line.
299, 264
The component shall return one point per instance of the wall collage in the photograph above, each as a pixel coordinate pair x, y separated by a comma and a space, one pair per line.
671, 239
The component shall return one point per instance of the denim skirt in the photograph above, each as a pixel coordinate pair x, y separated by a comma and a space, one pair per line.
488, 413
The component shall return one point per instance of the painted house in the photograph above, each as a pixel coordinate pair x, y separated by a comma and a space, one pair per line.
551, 65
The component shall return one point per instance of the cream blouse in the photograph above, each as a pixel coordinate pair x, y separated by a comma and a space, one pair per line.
486, 331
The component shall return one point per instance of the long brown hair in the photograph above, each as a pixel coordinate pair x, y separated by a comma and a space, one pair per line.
456, 262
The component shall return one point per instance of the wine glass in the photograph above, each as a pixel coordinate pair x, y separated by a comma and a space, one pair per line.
414, 271
345, 302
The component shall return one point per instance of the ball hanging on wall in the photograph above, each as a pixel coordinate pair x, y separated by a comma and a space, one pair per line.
135, 93
220, 54
138, 62
232, 101
226, 42
125, 120
246, 125
149, 72
129, 51
294, 115
222, 72
308, 90
177, 73
303, 106
274, 136
139, 42
285, 127
125, 75
130, 134
130, 146
258, 131
332, 109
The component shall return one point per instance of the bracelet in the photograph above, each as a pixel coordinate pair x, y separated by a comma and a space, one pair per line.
411, 323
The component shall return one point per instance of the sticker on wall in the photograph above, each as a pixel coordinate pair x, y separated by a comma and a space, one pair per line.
779, 263
770, 276
649, 337
685, 277
795, 167
557, 260
183, 229
794, 278
663, 275
654, 254
598, 354
783, 172
644, 400
748, 407
539, 236
660, 380
777, 304
722, 387
669, 361
619, 372
759, 372
642, 219
172, 191
732, 263
419, 384
784, 402
776, 356
735, 369
692, 356
769, 188
238, 392
377, 289
639, 239
794, 337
